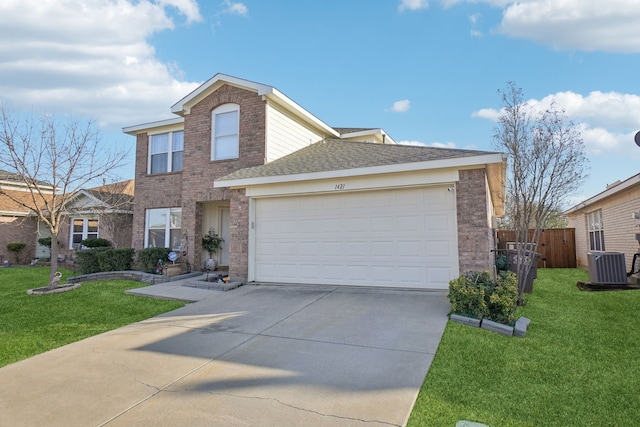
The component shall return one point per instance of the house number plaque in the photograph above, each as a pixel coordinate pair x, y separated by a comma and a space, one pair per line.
340, 186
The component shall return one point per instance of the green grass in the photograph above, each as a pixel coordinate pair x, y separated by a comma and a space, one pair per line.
579, 364
30, 324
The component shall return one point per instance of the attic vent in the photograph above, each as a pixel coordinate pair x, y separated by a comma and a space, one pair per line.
607, 267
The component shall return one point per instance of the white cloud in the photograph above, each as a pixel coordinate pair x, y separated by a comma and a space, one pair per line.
233, 8
412, 5
188, 8
414, 143
400, 106
430, 144
90, 57
608, 120
589, 25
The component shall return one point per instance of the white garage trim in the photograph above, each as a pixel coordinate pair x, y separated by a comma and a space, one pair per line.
402, 237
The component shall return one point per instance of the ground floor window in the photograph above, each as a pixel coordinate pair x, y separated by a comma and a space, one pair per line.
596, 230
82, 228
163, 228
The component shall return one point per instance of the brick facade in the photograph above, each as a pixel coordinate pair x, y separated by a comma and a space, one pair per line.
193, 187
18, 230
475, 235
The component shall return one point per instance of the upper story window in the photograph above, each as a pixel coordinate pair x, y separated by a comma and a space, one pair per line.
596, 230
225, 125
166, 152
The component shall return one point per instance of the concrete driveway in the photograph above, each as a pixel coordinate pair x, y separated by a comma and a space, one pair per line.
257, 355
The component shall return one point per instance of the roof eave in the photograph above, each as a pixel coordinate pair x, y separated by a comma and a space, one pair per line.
458, 162
629, 182
136, 129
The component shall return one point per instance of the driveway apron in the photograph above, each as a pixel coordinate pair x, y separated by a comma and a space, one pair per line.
257, 355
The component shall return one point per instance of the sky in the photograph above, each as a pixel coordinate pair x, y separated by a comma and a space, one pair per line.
426, 71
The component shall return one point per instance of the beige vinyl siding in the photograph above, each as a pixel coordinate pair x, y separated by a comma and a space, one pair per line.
618, 225
285, 135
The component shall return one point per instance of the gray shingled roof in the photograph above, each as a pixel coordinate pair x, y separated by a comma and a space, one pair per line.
335, 154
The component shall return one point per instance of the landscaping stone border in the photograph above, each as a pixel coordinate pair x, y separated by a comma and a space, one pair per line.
129, 275
519, 330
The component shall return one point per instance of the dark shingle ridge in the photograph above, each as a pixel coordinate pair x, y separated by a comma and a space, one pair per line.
335, 154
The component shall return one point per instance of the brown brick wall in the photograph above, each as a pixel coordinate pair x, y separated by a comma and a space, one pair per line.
151, 191
475, 236
18, 230
194, 185
200, 172
239, 231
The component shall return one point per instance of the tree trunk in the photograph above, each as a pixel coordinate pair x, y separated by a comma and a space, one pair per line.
54, 259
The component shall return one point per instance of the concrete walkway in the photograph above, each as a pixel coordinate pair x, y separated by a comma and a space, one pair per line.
256, 355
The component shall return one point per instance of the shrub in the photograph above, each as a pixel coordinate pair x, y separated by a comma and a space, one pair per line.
45, 241
104, 259
115, 259
16, 248
96, 243
148, 258
475, 294
88, 260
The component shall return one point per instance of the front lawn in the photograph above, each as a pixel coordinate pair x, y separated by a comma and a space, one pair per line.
31, 325
579, 364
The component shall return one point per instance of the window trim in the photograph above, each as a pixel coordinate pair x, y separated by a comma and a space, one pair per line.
85, 230
167, 226
595, 230
225, 108
170, 152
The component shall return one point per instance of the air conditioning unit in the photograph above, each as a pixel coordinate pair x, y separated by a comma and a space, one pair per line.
607, 268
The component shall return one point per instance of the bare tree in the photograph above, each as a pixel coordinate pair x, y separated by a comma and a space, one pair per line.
547, 164
66, 155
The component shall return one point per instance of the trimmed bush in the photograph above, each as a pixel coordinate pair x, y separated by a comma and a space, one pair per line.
45, 241
16, 248
96, 243
148, 258
115, 259
104, 259
475, 294
88, 260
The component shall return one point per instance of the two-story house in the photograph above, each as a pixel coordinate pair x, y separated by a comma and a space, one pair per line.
299, 201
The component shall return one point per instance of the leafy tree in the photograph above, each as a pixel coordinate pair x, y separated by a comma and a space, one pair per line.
64, 154
547, 164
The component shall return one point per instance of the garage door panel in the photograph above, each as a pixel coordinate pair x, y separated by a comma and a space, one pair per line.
402, 237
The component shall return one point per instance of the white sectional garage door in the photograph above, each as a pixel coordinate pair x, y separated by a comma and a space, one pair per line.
396, 238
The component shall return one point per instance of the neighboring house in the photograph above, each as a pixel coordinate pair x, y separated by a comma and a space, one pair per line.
606, 221
299, 201
105, 211
17, 223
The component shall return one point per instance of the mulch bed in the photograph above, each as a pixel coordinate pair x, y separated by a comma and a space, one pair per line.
594, 287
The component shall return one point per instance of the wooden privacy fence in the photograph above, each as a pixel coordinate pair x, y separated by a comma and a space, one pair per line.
557, 246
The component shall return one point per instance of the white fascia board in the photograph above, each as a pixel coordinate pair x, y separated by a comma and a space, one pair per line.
278, 98
387, 138
78, 194
460, 162
12, 213
183, 106
629, 182
136, 129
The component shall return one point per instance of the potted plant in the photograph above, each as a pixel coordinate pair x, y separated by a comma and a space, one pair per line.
211, 242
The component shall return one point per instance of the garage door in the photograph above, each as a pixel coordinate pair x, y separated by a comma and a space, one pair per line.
396, 238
